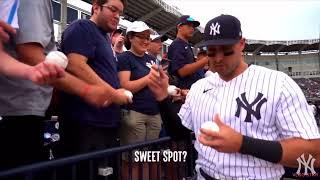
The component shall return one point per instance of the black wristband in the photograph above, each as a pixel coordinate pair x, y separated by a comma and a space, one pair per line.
267, 150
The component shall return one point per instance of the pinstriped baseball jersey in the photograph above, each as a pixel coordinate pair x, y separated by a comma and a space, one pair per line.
259, 103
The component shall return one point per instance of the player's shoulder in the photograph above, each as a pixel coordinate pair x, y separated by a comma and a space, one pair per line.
268, 71
208, 81
281, 78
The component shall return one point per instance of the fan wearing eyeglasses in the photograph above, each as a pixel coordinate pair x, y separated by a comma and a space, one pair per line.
88, 46
183, 65
141, 120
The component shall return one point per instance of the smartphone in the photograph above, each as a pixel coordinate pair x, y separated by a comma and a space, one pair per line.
124, 32
158, 63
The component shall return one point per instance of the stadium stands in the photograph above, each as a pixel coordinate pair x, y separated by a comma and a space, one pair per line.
310, 87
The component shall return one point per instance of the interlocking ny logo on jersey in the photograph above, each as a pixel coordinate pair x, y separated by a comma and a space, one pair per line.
215, 29
308, 165
243, 103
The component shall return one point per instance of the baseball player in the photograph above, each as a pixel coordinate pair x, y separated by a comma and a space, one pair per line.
263, 117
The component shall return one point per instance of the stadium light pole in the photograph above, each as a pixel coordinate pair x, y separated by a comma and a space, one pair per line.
63, 17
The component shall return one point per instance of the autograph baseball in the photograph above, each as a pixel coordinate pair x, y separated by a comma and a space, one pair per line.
129, 95
172, 90
211, 126
57, 57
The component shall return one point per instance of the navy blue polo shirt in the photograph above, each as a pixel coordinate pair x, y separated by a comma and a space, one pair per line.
85, 38
143, 100
180, 54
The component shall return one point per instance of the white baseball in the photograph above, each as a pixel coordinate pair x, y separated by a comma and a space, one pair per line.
128, 94
172, 90
58, 58
211, 126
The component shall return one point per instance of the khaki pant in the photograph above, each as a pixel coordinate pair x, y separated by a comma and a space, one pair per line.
138, 127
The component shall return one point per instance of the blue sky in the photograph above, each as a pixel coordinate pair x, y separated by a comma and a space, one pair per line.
261, 19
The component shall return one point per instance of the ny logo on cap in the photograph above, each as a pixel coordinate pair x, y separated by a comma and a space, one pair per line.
215, 29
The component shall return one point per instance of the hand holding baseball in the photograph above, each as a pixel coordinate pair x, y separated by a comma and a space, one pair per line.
120, 97
44, 73
221, 137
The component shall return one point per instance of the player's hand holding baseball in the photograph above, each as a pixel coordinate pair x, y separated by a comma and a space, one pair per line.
225, 140
158, 83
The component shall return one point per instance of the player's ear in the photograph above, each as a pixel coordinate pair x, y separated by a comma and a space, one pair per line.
242, 43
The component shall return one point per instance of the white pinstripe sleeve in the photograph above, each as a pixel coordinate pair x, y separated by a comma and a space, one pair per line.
294, 116
185, 112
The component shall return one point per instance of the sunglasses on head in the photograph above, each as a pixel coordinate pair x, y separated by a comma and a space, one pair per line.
225, 50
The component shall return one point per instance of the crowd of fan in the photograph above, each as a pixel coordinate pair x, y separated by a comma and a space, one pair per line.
311, 89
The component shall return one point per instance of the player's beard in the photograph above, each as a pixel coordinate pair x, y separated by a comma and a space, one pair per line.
228, 71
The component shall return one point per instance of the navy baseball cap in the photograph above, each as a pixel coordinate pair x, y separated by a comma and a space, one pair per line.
185, 19
222, 30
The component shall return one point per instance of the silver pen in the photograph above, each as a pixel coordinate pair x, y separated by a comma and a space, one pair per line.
158, 60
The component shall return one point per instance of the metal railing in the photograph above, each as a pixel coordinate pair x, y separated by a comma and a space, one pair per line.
52, 169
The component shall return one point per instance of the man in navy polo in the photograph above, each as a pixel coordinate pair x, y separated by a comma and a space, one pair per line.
183, 64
